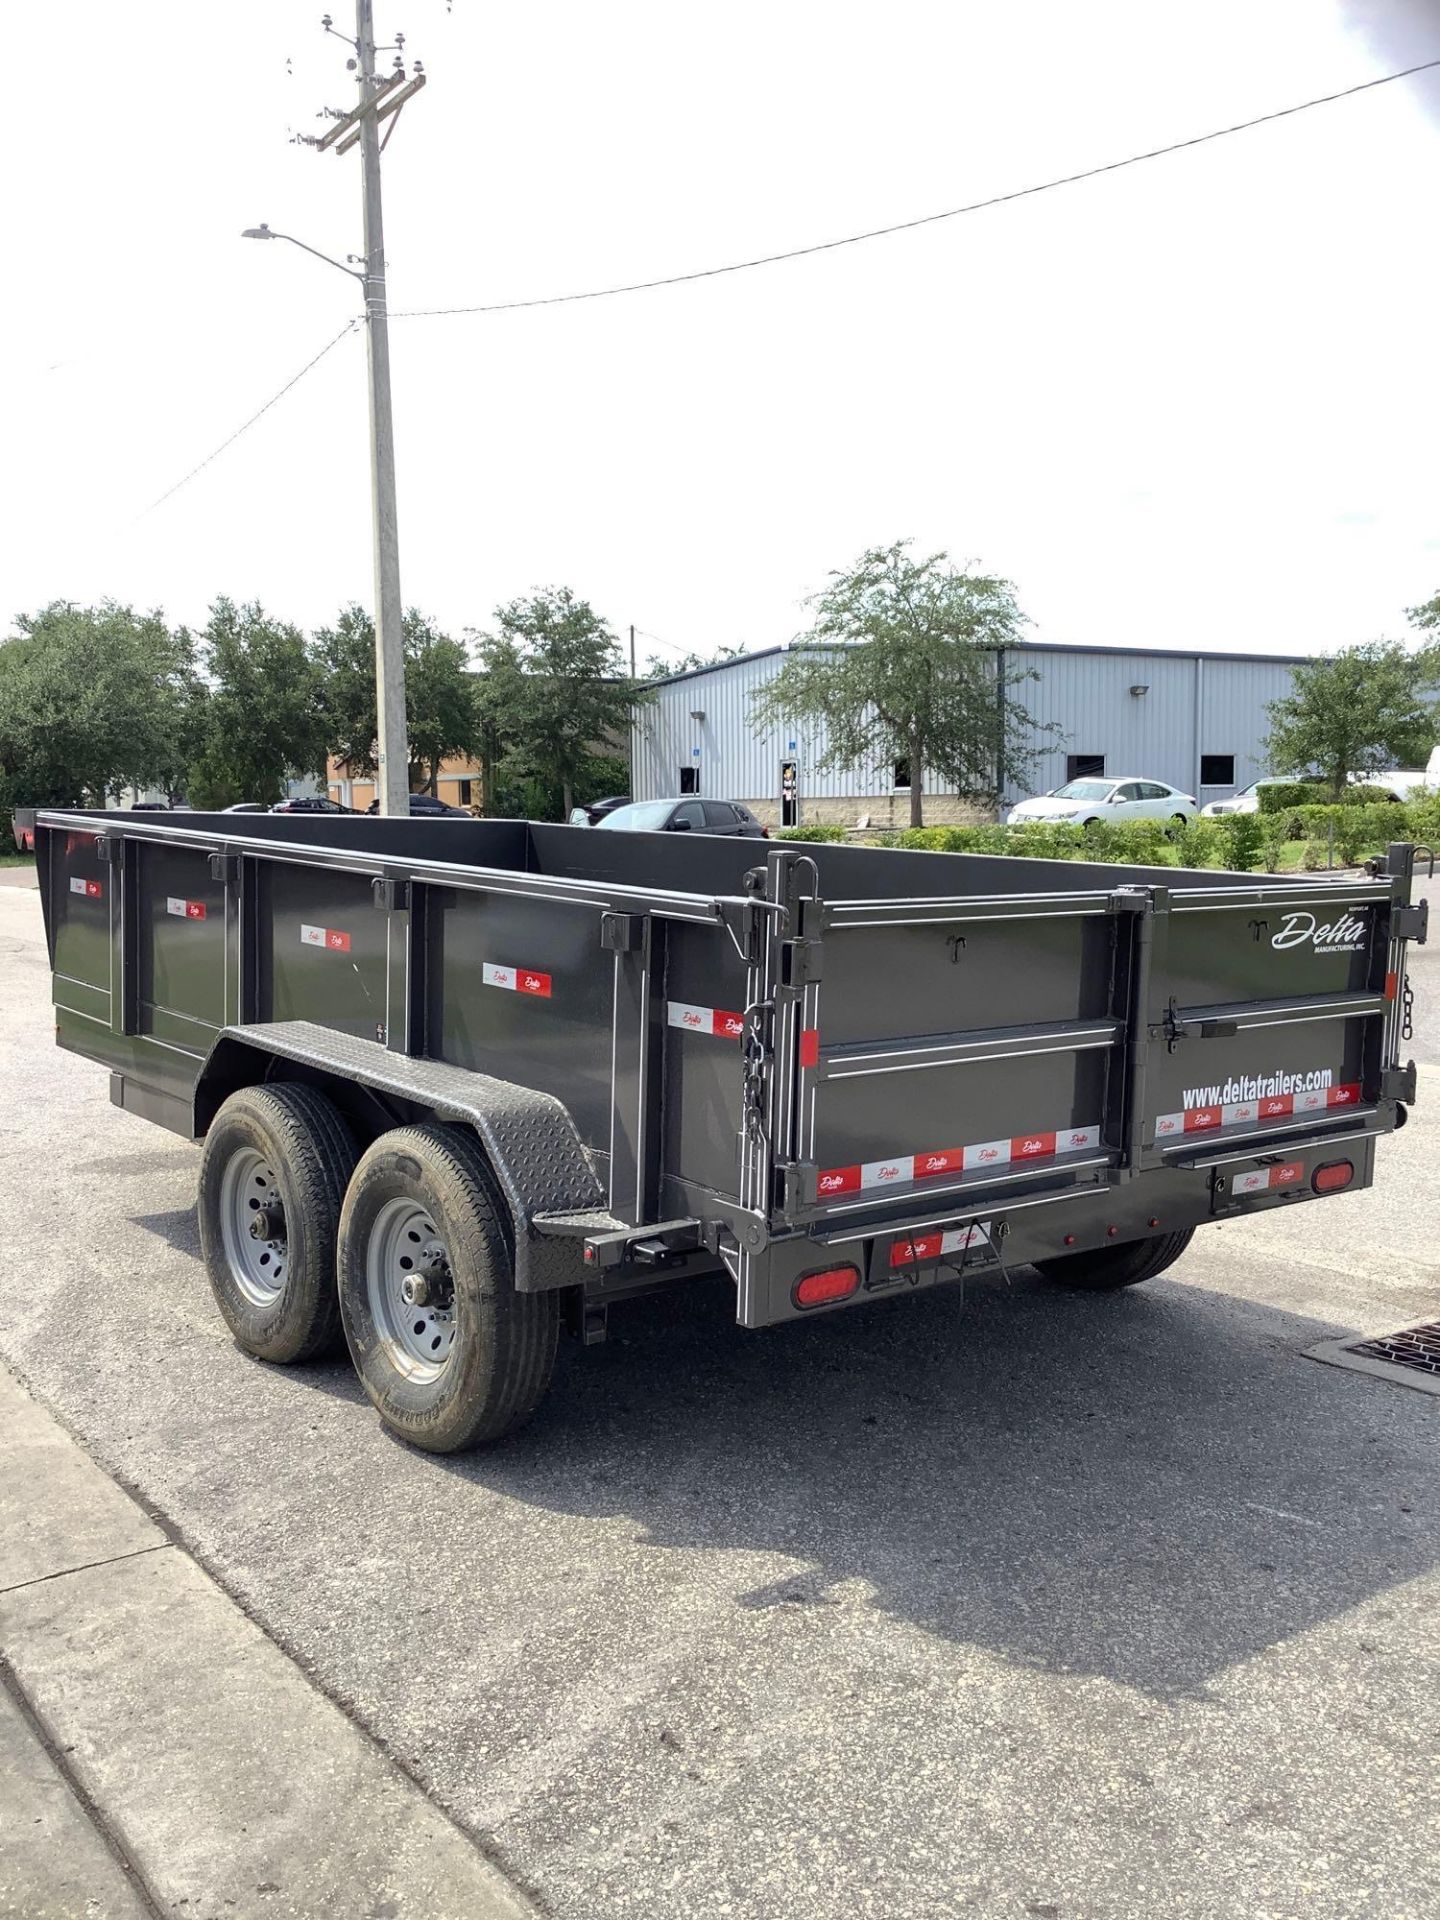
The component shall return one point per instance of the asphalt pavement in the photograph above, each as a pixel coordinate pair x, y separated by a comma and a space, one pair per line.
1023, 1603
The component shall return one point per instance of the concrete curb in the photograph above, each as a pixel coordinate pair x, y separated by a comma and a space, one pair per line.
219, 1776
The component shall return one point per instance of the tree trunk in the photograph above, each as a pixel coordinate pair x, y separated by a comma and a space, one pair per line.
569, 792
917, 797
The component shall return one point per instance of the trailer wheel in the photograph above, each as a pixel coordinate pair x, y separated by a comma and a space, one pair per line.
448, 1351
1105, 1268
272, 1177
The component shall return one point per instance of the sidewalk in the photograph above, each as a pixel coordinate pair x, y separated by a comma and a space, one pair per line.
159, 1754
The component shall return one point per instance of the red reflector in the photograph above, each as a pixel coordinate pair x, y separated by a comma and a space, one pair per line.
831, 1283
1334, 1175
1392, 985
810, 1047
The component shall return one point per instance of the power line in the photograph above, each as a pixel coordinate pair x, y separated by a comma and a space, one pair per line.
348, 327
924, 220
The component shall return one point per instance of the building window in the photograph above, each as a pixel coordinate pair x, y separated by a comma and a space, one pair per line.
902, 776
1080, 766
689, 779
1217, 769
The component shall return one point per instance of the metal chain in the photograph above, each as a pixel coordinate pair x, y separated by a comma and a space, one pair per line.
753, 1093
1407, 1017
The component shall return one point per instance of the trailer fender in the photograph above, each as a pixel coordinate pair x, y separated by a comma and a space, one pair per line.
529, 1137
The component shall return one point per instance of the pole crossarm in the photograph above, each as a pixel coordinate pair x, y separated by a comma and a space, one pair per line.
393, 103
362, 111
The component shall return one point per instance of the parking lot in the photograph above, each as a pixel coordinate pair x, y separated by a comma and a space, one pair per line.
1015, 1603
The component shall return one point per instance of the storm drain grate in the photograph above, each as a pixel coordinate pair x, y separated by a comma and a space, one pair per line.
1409, 1358
1417, 1347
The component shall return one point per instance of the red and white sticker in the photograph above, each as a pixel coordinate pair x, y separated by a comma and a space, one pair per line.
91, 889
185, 909
930, 1246
515, 979
729, 1026
1269, 1179
1241, 1112
328, 937
988, 1154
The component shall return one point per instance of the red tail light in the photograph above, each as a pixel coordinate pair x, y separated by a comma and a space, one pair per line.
1334, 1175
830, 1283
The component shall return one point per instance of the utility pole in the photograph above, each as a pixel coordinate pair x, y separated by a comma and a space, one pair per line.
632, 652
380, 99
393, 747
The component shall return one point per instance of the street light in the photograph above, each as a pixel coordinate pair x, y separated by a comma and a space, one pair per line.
392, 746
262, 232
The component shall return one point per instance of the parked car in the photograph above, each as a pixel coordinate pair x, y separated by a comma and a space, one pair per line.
427, 805
1247, 800
311, 803
1086, 802
592, 814
246, 806
685, 816
1399, 784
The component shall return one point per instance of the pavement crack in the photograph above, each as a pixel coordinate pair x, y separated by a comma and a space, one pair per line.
111, 1560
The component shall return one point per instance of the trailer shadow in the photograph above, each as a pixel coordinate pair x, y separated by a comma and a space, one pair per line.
1148, 1486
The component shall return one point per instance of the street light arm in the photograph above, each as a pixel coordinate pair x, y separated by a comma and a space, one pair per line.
263, 232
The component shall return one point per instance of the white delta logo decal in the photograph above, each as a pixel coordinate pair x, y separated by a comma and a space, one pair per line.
1344, 935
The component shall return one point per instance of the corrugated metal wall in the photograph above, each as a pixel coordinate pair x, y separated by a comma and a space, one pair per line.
1193, 705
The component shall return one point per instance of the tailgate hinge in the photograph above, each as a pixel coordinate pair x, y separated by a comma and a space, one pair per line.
1410, 923
1398, 1083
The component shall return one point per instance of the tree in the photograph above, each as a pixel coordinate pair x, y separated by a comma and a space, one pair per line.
1361, 710
659, 668
572, 698
499, 700
902, 664
93, 699
440, 718
261, 720
1426, 616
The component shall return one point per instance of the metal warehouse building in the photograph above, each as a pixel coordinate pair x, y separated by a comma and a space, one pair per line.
1196, 720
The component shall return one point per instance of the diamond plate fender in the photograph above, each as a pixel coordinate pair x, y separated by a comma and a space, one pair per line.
529, 1137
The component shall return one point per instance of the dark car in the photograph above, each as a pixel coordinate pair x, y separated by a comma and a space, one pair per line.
686, 816
592, 812
310, 803
429, 806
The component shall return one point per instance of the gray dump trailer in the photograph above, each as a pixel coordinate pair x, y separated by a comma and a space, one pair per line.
462, 1083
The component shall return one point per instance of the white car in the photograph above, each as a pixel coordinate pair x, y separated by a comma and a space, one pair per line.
1247, 800
1086, 802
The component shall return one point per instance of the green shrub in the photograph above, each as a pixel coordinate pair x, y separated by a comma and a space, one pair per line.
1357, 831
1425, 819
1199, 843
1274, 832
934, 839
1314, 855
1141, 843
1285, 794
1240, 840
1051, 840
808, 833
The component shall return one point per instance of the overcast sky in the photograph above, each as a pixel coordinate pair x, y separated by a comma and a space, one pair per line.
1193, 403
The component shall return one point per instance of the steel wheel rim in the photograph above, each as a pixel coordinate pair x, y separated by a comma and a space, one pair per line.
404, 1244
248, 1193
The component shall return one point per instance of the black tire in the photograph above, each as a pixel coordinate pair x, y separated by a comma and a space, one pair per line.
1126, 1265
502, 1343
1179, 821
300, 1140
